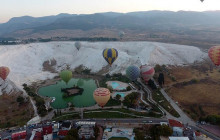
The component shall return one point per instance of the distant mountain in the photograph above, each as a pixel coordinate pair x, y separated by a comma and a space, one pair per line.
184, 27
26, 22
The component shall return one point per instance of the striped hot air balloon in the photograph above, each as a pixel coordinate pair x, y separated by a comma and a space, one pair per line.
133, 72
214, 54
101, 96
110, 55
147, 72
4, 71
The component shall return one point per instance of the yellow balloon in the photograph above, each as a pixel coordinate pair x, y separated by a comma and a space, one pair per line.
101, 96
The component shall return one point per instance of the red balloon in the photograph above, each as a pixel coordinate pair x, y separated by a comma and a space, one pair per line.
147, 72
214, 54
4, 71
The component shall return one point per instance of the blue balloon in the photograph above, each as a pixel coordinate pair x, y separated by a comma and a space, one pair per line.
133, 72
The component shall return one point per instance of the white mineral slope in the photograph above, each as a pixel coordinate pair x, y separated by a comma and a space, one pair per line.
25, 61
8, 87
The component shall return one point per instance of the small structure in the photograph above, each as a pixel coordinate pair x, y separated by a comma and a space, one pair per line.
178, 138
86, 129
118, 132
62, 133
177, 127
48, 132
19, 135
56, 127
66, 125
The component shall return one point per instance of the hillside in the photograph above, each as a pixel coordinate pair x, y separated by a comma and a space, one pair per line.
27, 62
199, 29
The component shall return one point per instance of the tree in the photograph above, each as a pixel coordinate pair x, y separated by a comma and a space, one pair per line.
110, 88
157, 68
72, 135
128, 88
96, 131
151, 84
20, 100
130, 99
118, 97
161, 79
165, 130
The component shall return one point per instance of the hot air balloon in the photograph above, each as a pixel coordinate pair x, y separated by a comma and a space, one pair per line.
110, 55
101, 96
201, 0
121, 34
77, 45
147, 72
80, 82
132, 72
214, 54
4, 71
66, 75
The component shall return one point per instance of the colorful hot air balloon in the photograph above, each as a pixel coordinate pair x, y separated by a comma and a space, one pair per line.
101, 96
78, 45
147, 72
4, 71
110, 55
132, 72
214, 54
66, 75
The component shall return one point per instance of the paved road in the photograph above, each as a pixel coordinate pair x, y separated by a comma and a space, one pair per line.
183, 117
139, 120
212, 136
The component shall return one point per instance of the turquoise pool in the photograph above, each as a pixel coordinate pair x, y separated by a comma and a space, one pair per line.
115, 85
122, 94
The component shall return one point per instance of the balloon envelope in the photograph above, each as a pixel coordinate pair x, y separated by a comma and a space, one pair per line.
101, 96
121, 34
132, 72
147, 72
110, 55
4, 71
214, 54
66, 75
78, 45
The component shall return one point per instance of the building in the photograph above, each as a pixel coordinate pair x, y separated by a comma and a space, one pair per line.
66, 125
110, 132
56, 127
62, 133
19, 135
178, 138
48, 132
177, 127
86, 129
177, 131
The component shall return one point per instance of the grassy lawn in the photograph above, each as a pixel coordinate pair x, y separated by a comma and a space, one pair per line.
117, 138
161, 100
66, 117
144, 114
106, 114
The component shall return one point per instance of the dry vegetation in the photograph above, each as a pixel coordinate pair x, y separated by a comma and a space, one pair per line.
196, 88
12, 113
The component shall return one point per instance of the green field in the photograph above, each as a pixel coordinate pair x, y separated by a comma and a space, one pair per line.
162, 101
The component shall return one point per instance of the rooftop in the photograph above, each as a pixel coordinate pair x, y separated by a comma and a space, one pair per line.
174, 123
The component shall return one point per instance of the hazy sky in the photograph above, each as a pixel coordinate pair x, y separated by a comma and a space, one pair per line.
37, 8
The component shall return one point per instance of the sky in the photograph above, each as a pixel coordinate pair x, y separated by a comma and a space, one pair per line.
38, 8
